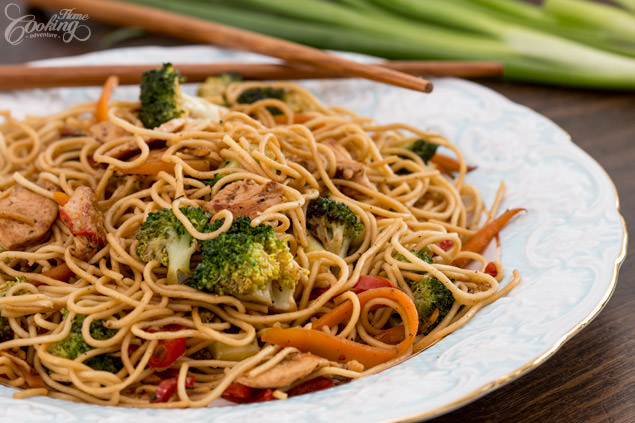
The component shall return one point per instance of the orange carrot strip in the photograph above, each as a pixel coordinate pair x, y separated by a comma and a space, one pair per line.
484, 235
154, 165
448, 164
343, 311
297, 118
104, 100
339, 349
61, 272
60, 198
395, 334
329, 346
391, 335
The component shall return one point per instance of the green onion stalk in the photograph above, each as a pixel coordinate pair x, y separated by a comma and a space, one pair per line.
539, 45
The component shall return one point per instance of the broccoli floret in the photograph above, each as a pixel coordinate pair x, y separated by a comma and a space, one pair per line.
163, 237
251, 95
162, 99
333, 224
249, 263
423, 254
422, 148
429, 295
9, 284
75, 345
295, 100
6, 333
216, 86
212, 181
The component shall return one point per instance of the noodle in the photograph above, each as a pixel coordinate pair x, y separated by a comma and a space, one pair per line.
404, 205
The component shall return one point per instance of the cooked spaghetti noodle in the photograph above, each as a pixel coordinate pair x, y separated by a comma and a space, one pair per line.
404, 204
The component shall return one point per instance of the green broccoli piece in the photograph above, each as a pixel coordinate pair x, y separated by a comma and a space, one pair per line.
75, 345
216, 86
251, 95
9, 284
333, 224
423, 254
422, 148
6, 333
429, 295
162, 99
249, 263
163, 237
295, 100
212, 181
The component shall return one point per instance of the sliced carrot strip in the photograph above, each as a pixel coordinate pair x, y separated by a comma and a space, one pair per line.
101, 113
60, 198
339, 349
153, 165
392, 335
297, 118
448, 164
483, 236
61, 272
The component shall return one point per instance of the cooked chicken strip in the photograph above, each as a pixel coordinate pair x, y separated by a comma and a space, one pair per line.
348, 168
85, 221
107, 131
345, 166
285, 373
246, 198
25, 218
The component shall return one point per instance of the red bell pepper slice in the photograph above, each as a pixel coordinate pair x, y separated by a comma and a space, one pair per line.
167, 388
242, 394
491, 269
313, 385
364, 283
167, 352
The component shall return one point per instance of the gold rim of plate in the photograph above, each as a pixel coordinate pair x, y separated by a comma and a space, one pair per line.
537, 361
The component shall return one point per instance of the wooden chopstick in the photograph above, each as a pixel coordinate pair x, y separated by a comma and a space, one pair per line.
201, 31
15, 77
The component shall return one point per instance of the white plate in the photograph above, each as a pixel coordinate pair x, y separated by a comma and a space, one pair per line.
568, 248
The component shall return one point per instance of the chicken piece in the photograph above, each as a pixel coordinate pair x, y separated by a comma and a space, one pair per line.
25, 218
215, 160
285, 373
246, 198
172, 125
345, 166
308, 164
131, 148
107, 131
85, 222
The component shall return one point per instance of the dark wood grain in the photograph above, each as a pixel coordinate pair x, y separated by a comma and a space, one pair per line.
592, 377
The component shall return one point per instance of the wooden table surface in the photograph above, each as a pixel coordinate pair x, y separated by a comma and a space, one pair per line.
592, 377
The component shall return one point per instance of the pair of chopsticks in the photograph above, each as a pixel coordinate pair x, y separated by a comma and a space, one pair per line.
15, 77
201, 31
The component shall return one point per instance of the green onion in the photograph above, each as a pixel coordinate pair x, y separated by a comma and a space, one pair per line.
627, 4
535, 44
525, 41
425, 41
525, 14
593, 15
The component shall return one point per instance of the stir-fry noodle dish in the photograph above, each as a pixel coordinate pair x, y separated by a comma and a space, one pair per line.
247, 243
